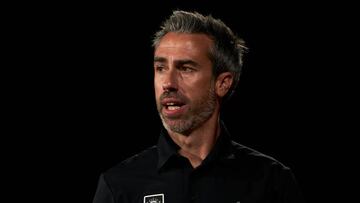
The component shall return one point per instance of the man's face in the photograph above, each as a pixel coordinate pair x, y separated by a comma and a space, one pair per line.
183, 80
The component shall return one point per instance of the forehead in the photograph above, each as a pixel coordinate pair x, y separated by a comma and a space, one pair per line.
193, 45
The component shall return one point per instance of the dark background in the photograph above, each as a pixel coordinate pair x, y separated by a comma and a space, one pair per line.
87, 101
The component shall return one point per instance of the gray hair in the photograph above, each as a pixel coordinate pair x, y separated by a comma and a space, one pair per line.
228, 49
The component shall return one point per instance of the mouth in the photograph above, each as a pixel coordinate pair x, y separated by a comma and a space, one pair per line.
173, 108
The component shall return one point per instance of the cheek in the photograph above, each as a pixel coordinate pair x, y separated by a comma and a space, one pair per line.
157, 94
157, 88
200, 86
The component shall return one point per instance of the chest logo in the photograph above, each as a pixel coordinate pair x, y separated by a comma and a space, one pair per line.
157, 198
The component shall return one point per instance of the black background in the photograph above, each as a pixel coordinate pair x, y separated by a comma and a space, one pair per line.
86, 100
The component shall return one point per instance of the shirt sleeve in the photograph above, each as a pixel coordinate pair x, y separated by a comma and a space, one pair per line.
103, 193
291, 191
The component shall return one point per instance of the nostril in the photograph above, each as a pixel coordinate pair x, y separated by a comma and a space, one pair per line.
169, 87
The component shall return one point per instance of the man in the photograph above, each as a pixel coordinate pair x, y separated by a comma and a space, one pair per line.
197, 64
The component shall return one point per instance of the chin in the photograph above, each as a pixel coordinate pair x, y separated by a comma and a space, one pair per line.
178, 126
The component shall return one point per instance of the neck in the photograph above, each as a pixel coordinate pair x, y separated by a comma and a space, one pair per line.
198, 144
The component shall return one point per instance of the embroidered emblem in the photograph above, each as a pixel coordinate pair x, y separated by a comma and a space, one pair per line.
157, 198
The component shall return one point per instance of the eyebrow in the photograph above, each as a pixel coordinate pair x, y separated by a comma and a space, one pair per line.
177, 62
159, 59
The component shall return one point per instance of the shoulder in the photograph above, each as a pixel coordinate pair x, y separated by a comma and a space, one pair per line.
126, 176
261, 167
265, 171
255, 160
142, 163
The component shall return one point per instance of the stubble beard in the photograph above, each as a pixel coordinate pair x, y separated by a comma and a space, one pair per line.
198, 114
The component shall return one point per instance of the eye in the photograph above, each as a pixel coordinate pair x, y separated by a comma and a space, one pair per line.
187, 69
159, 68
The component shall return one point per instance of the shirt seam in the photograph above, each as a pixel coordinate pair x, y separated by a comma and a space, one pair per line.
111, 191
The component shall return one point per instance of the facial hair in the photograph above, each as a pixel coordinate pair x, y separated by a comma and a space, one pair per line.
199, 112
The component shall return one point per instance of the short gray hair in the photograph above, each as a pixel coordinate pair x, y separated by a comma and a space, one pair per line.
228, 50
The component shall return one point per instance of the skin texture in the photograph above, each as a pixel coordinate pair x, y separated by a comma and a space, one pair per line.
183, 79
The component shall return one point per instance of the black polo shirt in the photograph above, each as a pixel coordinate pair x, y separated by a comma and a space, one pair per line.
231, 173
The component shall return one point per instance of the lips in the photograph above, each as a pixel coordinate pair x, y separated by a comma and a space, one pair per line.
172, 107
166, 102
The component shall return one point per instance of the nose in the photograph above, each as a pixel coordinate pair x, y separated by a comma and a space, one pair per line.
170, 82
169, 87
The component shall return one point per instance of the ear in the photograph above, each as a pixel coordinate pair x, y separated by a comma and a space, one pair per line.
223, 83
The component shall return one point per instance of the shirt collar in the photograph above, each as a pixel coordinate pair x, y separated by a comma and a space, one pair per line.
222, 149
166, 148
